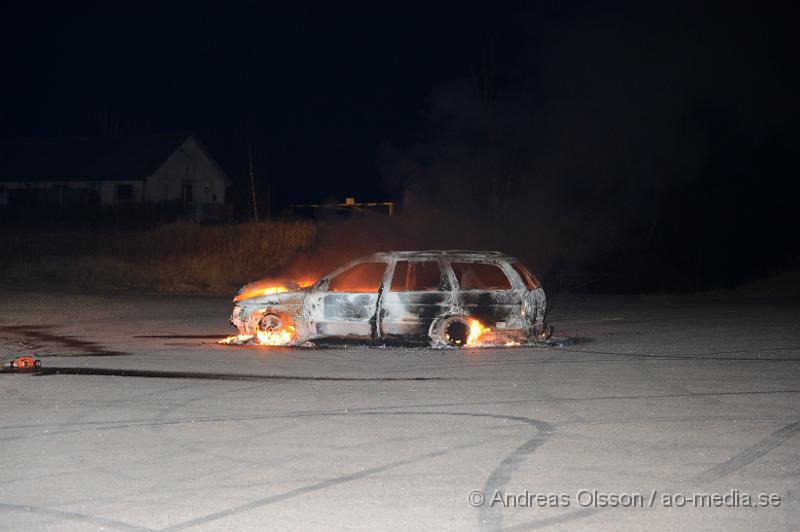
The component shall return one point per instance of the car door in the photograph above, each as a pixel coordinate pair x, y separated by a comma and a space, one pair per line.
417, 292
486, 293
345, 303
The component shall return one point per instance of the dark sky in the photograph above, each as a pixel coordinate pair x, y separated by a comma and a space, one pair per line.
664, 128
320, 86
317, 85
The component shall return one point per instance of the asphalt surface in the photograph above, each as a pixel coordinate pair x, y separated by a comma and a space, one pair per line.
649, 413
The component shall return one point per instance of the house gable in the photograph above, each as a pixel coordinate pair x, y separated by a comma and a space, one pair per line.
188, 175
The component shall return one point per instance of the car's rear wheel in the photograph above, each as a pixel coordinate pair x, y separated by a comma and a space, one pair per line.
450, 331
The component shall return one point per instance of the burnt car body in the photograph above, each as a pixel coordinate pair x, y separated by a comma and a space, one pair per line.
24, 362
404, 296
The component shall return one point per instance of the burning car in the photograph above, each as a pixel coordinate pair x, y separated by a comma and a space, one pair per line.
440, 298
24, 362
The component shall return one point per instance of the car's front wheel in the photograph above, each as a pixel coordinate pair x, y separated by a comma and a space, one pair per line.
270, 323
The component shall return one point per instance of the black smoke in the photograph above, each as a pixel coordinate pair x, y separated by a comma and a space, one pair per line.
653, 143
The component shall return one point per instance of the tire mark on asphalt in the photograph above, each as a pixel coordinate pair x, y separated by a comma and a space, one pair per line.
668, 384
129, 423
613, 357
699, 356
154, 374
73, 516
664, 419
748, 455
502, 473
490, 518
507, 363
324, 484
731, 465
84, 348
313, 413
555, 520
154, 393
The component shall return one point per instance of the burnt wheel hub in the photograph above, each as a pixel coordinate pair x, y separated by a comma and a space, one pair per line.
456, 332
270, 323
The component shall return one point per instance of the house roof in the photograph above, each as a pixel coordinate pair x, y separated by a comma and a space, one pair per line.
86, 159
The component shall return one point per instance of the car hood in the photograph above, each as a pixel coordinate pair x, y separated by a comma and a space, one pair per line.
268, 287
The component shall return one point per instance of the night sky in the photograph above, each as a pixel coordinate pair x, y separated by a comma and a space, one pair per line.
667, 127
316, 86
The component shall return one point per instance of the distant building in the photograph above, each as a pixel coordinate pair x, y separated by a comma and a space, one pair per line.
164, 171
350, 207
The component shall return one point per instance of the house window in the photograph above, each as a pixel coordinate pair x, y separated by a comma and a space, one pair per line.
124, 193
187, 192
93, 197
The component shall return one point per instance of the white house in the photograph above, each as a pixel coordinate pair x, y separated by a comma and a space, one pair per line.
172, 169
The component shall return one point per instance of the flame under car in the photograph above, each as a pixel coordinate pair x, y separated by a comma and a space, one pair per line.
439, 298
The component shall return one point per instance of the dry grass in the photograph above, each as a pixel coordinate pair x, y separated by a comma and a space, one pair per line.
170, 258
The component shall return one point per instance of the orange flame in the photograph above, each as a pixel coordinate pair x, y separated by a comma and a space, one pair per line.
484, 336
476, 330
284, 336
265, 287
261, 292
236, 339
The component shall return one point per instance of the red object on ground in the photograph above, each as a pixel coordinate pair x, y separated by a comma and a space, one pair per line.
25, 362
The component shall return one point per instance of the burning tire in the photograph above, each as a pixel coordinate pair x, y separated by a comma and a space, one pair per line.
451, 331
275, 329
270, 323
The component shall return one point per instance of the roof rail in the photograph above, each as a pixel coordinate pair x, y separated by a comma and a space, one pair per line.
448, 252
469, 252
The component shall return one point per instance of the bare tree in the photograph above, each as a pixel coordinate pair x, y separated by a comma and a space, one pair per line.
252, 180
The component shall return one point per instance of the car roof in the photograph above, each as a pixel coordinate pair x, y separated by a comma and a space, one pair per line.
450, 254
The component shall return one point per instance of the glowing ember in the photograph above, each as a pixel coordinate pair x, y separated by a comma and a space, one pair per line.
476, 330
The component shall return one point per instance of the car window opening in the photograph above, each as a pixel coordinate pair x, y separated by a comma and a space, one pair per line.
476, 276
418, 276
361, 278
530, 280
